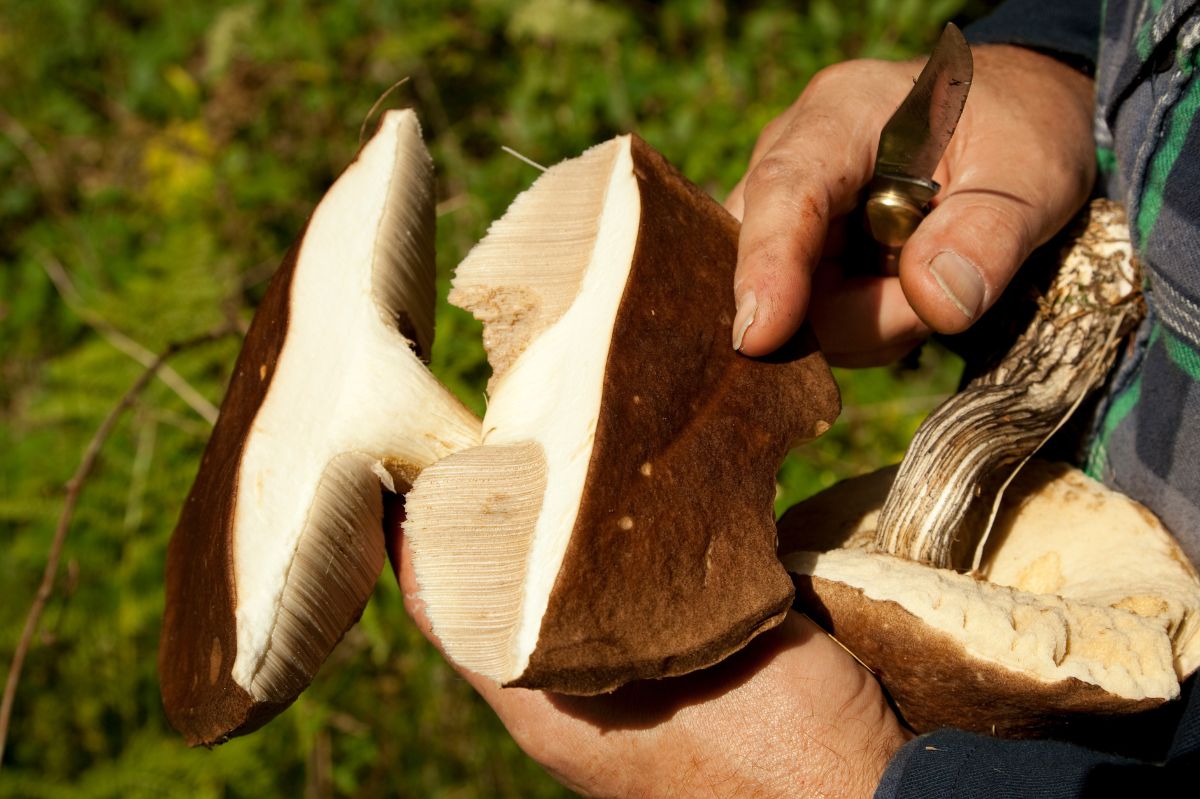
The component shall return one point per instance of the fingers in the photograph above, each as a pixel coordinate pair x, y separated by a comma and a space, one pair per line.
1022, 166
1019, 165
966, 251
864, 321
805, 172
789, 201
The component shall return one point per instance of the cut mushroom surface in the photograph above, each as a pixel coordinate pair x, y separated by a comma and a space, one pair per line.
279, 544
1084, 605
616, 523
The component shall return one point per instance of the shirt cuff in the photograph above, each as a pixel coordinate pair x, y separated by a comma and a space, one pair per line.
952, 763
1068, 30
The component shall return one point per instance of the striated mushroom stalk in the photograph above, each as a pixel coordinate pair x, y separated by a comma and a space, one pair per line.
278, 545
1031, 360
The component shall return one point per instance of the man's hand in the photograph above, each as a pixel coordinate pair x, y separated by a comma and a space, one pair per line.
1020, 164
791, 715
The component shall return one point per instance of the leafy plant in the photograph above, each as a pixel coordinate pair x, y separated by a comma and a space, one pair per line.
156, 159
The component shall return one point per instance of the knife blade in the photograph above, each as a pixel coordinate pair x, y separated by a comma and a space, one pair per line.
913, 142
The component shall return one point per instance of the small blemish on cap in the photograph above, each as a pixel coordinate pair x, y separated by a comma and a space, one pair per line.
214, 661
646, 469
625, 523
820, 428
637, 400
262, 372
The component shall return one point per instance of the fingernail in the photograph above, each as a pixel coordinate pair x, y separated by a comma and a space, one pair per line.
746, 307
960, 281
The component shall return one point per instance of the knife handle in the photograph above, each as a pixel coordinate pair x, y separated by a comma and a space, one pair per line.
894, 207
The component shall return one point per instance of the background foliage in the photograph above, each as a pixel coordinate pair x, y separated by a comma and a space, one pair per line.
156, 159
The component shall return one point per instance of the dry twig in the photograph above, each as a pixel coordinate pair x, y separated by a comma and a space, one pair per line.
74, 486
44, 173
362, 129
172, 379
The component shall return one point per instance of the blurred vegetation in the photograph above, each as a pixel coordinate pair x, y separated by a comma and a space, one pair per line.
156, 159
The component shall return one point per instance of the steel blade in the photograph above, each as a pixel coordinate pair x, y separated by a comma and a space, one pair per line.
914, 139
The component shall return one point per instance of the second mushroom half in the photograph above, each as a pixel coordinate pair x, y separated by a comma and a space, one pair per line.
998, 596
616, 523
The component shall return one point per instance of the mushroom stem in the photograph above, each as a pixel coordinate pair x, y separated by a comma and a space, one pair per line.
1030, 362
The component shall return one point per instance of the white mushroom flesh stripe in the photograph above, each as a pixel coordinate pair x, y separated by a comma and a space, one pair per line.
346, 381
490, 526
555, 391
542, 411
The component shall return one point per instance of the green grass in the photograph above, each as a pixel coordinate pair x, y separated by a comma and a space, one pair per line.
163, 155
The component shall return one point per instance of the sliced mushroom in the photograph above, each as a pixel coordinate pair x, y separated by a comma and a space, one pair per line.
279, 544
616, 523
1083, 608
1079, 606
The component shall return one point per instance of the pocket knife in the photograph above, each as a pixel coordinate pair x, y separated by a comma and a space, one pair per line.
911, 145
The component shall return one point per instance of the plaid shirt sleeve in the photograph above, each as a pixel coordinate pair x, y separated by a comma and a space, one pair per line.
1146, 434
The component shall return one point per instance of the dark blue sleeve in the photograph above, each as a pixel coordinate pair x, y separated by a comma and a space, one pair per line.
951, 763
1066, 29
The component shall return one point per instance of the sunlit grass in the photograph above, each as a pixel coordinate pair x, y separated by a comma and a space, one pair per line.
165, 154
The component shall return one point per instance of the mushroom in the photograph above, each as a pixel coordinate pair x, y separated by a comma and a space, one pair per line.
1079, 604
1083, 607
616, 522
279, 543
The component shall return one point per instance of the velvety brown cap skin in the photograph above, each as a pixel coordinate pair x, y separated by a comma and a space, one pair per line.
672, 563
935, 683
199, 641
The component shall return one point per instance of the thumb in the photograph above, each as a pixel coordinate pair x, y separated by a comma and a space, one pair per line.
963, 255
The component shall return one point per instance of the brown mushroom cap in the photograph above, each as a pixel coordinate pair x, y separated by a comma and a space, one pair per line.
279, 544
616, 523
1083, 607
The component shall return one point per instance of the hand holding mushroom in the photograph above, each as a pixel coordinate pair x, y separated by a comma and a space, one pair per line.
790, 715
611, 519
642, 569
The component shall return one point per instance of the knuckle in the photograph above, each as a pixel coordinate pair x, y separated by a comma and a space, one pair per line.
780, 182
987, 222
1007, 221
774, 172
834, 75
767, 256
847, 76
